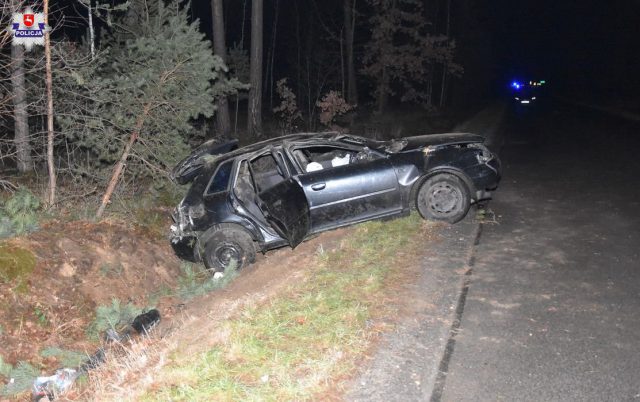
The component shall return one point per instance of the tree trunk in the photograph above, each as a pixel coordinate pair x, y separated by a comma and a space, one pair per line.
349, 25
254, 129
51, 199
92, 34
383, 91
443, 87
220, 49
244, 14
274, 34
117, 171
21, 136
299, 52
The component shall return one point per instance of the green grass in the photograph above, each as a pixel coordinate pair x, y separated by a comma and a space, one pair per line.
68, 358
22, 375
16, 265
196, 280
293, 347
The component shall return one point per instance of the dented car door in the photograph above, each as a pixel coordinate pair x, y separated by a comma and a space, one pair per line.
280, 198
355, 191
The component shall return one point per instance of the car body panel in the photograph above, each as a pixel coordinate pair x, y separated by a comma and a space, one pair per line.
286, 208
351, 193
379, 180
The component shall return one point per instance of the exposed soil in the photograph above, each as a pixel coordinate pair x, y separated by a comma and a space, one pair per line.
80, 265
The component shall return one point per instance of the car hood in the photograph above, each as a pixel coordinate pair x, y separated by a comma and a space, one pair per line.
191, 166
420, 141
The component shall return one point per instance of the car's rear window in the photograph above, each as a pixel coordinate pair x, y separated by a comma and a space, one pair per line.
220, 180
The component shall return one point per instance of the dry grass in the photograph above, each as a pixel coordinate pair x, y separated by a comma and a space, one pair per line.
294, 346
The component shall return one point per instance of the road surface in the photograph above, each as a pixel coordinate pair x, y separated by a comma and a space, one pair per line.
552, 311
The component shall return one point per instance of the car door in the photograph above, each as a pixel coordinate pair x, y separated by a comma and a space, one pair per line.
347, 190
280, 198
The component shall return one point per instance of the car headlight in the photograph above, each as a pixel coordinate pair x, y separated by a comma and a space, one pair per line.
196, 211
484, 155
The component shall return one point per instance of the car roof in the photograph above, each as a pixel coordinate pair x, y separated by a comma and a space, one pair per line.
211, 153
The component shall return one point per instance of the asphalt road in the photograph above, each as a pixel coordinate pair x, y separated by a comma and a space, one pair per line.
552, 311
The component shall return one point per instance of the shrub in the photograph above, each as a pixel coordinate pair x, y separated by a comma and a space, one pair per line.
22, 376
287, 111
19, 213
68, 358
331, 106
197, 281
114, 316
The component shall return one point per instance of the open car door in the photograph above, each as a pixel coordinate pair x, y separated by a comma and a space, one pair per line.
285, 207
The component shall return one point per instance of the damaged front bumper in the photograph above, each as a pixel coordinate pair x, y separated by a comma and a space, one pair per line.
184, 242
488, 179
186, 246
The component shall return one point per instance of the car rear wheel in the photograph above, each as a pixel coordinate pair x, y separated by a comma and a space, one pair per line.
443, 197
229, 246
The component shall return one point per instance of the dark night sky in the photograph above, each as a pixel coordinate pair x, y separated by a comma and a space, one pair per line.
581, 45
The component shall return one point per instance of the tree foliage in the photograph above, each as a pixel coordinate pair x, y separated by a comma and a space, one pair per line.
18, 215
401, 53
287, 111
155, 77
331, 106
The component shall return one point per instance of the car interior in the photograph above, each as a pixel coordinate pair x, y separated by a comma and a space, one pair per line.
266, 174
316, 158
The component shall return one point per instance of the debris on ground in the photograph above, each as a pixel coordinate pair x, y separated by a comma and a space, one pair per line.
48, 388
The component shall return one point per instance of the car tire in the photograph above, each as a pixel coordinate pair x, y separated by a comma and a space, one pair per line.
443, 197
227, 244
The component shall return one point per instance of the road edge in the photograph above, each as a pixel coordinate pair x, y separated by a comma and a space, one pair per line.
413, 361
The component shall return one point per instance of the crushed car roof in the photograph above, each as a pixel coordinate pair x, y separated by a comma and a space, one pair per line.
212, 151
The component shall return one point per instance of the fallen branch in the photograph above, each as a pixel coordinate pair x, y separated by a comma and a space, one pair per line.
117, 171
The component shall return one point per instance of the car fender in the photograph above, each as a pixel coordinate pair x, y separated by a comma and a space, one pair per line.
443, 169
207, 234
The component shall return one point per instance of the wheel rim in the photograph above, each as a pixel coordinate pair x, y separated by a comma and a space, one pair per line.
444, 199
228, 253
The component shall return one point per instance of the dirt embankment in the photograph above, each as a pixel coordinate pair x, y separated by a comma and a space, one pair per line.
79, 265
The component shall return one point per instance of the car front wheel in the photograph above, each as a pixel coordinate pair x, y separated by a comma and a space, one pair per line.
443, 197
229, 246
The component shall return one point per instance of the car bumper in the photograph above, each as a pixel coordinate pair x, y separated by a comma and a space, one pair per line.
186, 247
488, 179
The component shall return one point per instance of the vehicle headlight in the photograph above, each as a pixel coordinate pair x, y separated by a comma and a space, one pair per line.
196, 211
484, 155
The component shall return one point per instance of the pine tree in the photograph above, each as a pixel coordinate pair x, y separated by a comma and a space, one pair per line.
401, 53
141, 94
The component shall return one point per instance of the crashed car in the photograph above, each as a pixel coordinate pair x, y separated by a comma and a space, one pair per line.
281, 191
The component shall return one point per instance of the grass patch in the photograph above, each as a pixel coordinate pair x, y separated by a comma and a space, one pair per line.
22, 376
68, 358
5, 368
196, 280
293, 347
16, 264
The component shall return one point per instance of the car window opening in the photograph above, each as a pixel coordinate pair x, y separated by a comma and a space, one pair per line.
316, 158
266, 172
220, 180
245, 191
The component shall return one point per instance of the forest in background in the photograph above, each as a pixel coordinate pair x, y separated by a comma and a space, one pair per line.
136, 84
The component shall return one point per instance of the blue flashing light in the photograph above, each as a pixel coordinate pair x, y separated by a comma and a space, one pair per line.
516, 85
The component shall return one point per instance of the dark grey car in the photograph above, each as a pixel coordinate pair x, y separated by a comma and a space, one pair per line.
281, 191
